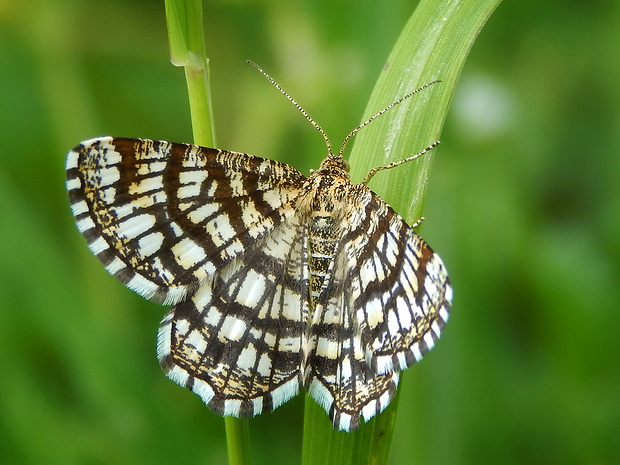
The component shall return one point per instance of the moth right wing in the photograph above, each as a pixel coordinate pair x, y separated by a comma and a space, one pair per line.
163, 217
237, 341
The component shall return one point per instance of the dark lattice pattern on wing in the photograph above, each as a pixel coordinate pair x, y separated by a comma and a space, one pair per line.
401, 293
163, 217
236, 342
280, 281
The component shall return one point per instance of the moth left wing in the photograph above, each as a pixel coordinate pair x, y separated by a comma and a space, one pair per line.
162, 217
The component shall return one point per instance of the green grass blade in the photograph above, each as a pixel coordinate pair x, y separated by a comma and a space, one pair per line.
433, 45
238, 441
187, 49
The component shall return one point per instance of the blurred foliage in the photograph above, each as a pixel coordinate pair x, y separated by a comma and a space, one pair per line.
523, 206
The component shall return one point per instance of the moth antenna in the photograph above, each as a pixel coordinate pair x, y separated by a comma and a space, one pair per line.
399, 162
372, 118
297, 105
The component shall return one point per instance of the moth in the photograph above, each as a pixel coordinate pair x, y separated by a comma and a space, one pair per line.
277, 281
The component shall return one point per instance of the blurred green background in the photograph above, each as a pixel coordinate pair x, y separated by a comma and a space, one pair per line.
523, 206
